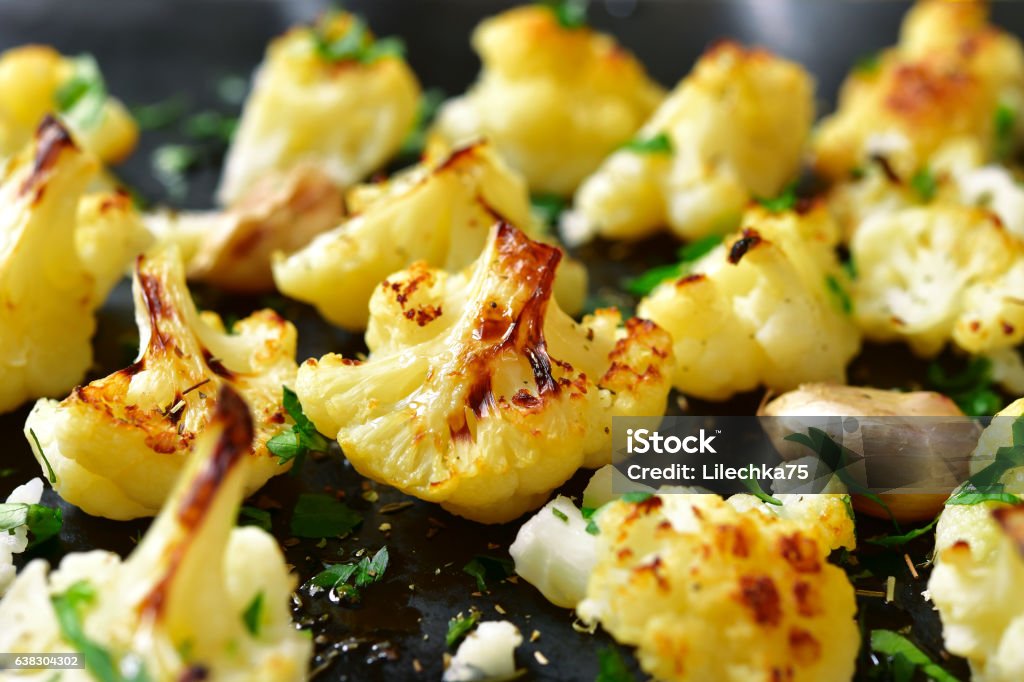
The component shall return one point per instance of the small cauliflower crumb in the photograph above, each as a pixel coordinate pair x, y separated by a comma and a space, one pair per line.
554, 552
487, 654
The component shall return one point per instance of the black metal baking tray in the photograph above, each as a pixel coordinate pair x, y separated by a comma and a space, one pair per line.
150, 50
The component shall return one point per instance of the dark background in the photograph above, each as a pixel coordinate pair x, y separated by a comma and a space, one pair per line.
150, 50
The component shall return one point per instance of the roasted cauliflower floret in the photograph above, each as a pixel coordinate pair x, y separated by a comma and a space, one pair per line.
47, 293
733, 319
119, 443
958, 174
479, 392
709, 592
734, 129
979, 566
931, 274
330, 95
197, 599
554, 100
438, 212
232, 248
951, 77
109, 235
36, 80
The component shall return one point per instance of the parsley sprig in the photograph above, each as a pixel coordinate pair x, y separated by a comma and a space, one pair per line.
42, 522
347, 579
355, 44
299, 440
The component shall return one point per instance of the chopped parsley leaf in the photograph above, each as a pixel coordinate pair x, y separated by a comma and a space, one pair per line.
548, 207
159, 115
42, 522
81, 97
785, 201
892, 540
560, 514
416, 140
99, 662
971, 389
253, 615
488, 567
613, 666
697, 249
460, 626
754, 486
211, 125
868, 64
904, 654
658, 144
321, 516
50, 475
356, 44
171, 163
1005, 120
301, 439
839, 294
588, 516
571, 14
645, 283
254, 516
231, 89
925, 184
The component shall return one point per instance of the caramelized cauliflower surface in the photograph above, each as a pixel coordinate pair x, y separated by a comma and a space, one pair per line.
119, 443
979, 567
736, 128
180, 606
928, 275
479, 392
767, 308
438, 212
944, 82
554, 100
709, 591
232, 249
326, 95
